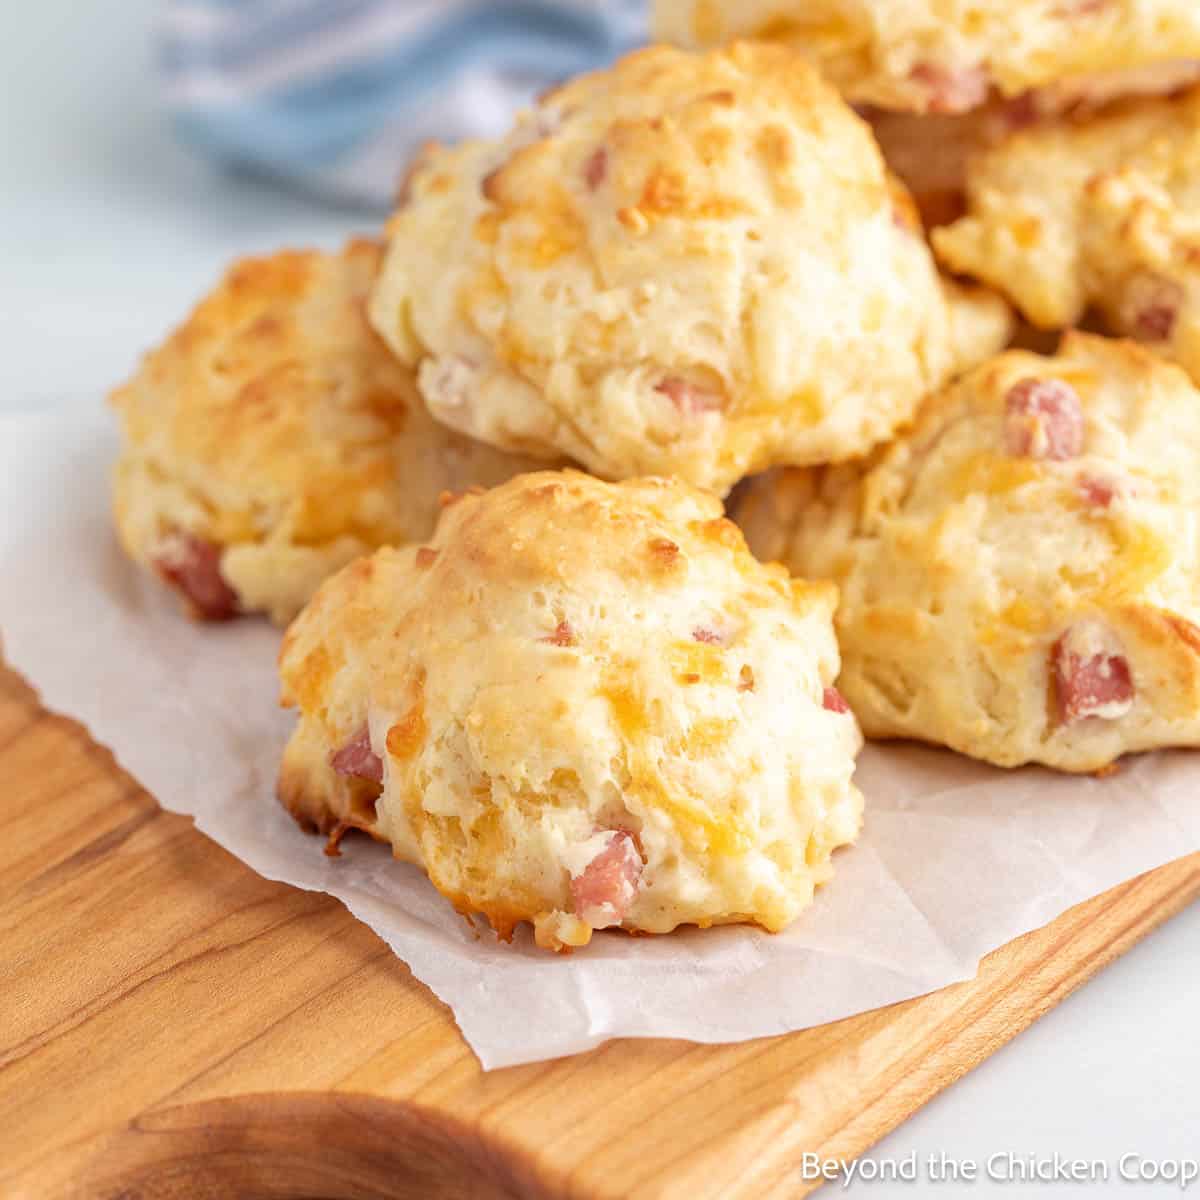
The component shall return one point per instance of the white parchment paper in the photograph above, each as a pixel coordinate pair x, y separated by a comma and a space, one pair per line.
956, 859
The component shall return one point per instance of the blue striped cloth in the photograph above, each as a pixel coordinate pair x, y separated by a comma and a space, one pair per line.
335, 95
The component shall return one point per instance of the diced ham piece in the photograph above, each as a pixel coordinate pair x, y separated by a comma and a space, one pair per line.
951, 90
563, 635
834, 701
1020, 112
1043, 419
1150, 307
1155, 322
595, 169
1091, 675
604, 890
709, 637
357, 759
193, 565
690, 399
1099, 491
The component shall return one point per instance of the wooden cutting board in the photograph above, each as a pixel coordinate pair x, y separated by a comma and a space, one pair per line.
172, 1025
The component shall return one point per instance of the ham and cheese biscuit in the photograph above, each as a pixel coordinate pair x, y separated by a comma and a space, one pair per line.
1101, 215
272, 438
687, 264
581, 705
949, 55
1020, 573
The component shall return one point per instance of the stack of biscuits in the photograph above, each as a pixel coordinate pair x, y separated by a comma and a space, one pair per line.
479, 463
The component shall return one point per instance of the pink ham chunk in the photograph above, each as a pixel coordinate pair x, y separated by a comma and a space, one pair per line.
1043, 419
1150, 307
1099, 491
193, 565
690, 399
1020, 112
1155, 323
595, 169
834, 701
951, 89
605, 890
357, 759
1091, 675
563, 635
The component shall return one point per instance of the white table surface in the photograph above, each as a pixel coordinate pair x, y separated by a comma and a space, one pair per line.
108, 231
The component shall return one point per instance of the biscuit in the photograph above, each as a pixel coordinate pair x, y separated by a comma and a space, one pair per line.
937, 56
273, 438
688, 264
1097, 214
581, 705
1020, 573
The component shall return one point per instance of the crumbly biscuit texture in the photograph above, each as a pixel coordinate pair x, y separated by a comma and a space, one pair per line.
1100, 215
1020, 573
273, 438
689, 264
948, 55
581, 705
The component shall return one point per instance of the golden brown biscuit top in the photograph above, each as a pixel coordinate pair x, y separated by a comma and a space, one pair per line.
278, 408
567, 658
1031, 488
664, 135
682, 130
517, 554
686, 264
276, 392
946, 55
1019, 573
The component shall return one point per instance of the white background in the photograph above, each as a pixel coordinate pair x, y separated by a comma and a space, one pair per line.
108, 231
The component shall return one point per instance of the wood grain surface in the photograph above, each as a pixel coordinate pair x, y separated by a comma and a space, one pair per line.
175, 1026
